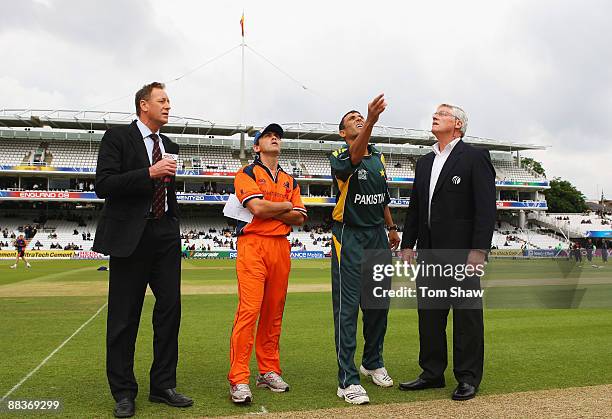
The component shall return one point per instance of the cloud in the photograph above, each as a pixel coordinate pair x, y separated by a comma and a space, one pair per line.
33, 97
123, 27
524, 71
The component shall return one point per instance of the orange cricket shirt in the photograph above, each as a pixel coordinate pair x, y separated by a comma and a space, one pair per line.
255, 181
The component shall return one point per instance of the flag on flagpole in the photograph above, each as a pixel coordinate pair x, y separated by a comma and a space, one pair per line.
242, 24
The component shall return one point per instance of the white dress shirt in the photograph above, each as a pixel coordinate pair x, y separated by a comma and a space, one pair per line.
438, 163
148, 142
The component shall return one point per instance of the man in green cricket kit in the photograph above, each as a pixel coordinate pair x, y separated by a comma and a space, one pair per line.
360, 215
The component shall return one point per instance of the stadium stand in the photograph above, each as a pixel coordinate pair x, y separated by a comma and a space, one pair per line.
62, 233
83, 154
213, 234
507, 236
577, 225
208, 158
305, 162
9, 230
73, 154
508, 170
529, 239
216, 234
67, 143
16, 152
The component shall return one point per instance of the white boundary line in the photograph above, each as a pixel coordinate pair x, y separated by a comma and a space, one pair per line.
56, 350
263, 411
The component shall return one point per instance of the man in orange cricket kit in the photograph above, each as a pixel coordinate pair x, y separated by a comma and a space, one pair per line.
263, 264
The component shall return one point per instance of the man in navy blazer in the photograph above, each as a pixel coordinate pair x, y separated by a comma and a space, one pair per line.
139, 229
451, 217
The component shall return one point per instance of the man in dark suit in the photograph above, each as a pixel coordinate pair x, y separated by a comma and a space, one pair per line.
452, 207
139, 229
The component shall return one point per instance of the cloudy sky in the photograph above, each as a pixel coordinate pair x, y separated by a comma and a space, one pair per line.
527, 71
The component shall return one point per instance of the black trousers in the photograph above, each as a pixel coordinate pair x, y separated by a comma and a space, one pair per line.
468, 326
155, 262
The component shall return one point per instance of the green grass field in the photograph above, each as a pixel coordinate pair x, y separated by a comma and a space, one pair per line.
526, 349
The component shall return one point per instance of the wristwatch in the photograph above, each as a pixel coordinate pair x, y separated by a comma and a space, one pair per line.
392, 227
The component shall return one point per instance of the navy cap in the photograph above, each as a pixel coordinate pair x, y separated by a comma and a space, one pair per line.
270, 128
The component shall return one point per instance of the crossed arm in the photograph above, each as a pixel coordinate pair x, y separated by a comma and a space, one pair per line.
282, 211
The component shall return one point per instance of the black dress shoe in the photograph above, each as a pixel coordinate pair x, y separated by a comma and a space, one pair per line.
464, 391
124, 408
170, 397
420, 384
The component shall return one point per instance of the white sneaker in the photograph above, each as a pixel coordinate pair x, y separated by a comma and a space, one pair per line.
241, 393
273, 381
13, 266
28, 266
380, 377
354, 394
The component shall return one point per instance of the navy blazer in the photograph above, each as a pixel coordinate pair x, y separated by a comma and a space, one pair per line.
463, 205
122, 179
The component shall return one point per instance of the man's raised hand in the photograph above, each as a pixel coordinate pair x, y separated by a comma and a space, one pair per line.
376, 107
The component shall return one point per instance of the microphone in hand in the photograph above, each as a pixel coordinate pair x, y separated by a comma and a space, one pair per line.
169, 156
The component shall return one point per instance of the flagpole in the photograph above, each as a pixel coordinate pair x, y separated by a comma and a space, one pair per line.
242, 126
242, 45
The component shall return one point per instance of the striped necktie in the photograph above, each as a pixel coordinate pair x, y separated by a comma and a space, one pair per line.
159, 188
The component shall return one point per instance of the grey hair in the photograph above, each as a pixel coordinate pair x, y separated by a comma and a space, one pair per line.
460, 115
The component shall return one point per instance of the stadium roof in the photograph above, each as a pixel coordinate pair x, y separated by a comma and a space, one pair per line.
99, 120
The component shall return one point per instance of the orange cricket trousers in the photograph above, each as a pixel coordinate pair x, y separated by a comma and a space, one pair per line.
262, 267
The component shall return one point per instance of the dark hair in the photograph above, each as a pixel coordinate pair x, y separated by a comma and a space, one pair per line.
145, 93
341, 125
